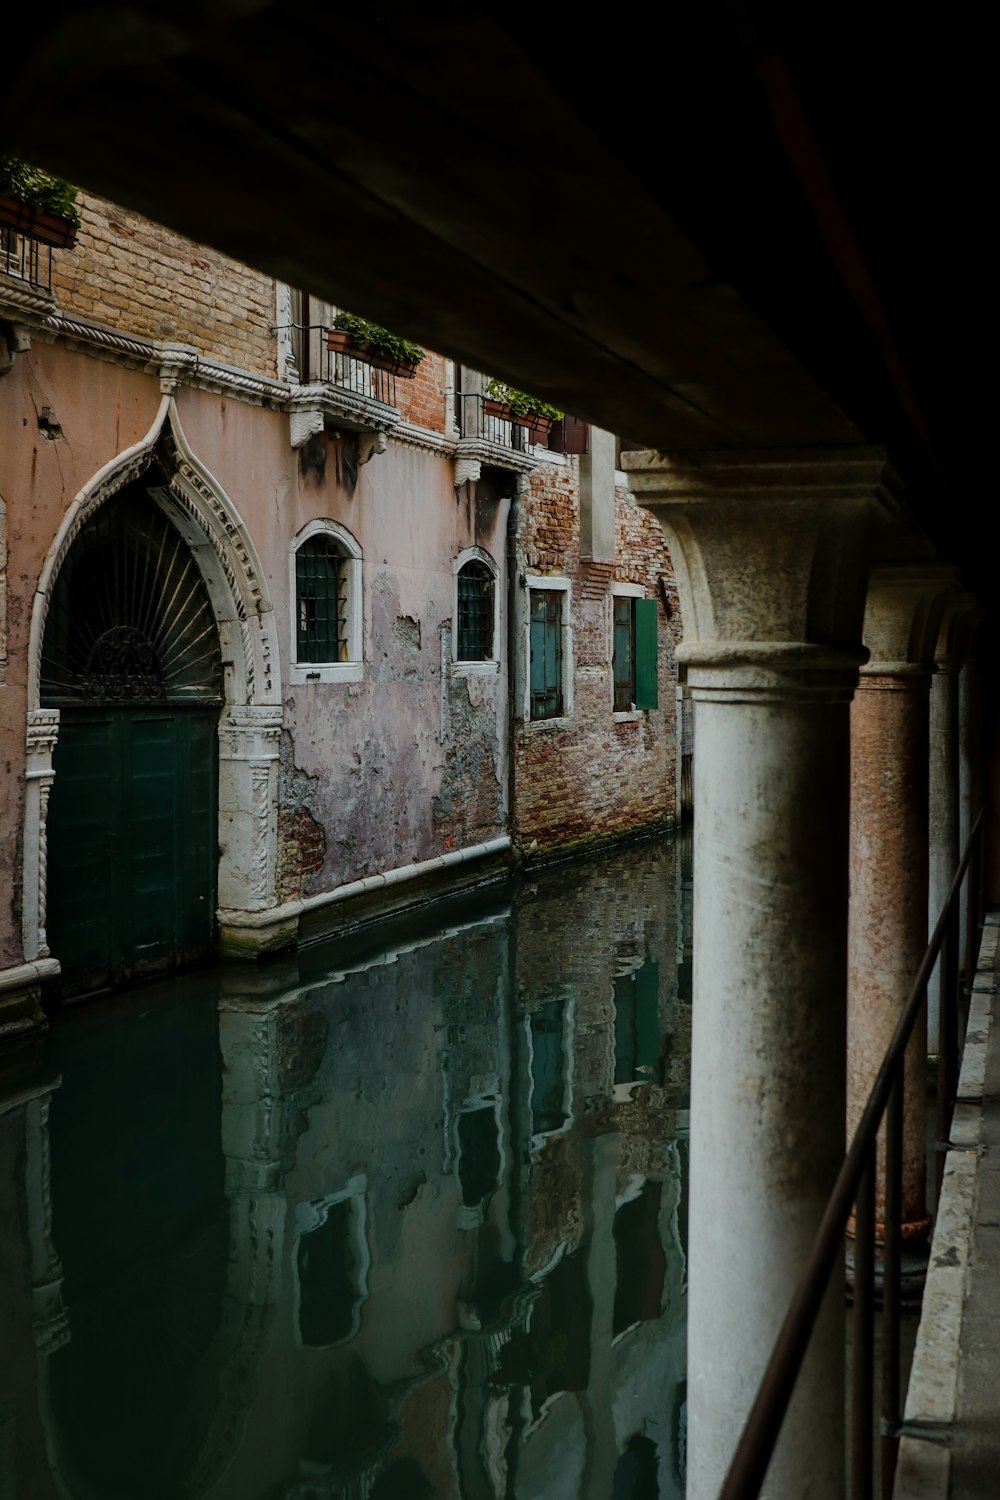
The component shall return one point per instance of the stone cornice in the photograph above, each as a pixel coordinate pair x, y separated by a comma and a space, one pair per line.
20, 299
495, 455
312, 407
424, 437
341, 408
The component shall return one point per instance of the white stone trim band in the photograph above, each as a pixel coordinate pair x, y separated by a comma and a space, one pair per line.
398, 876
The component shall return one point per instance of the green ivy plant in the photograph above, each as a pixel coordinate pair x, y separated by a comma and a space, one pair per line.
520, 403
38, 189
379, 340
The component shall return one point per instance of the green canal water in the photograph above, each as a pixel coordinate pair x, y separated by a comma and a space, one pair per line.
393, 1219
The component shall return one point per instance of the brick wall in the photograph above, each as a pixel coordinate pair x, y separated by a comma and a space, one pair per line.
421, 400
146, 280
595, 778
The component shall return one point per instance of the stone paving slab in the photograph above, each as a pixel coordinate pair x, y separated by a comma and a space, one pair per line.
954, 1392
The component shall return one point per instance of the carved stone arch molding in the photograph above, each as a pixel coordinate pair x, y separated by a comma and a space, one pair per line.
250, 724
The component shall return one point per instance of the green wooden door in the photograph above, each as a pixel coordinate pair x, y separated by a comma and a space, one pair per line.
132, 842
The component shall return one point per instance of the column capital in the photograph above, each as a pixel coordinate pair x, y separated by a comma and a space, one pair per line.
770, 550
903, 613
956, 636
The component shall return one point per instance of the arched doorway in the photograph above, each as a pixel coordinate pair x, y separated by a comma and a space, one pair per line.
131, 659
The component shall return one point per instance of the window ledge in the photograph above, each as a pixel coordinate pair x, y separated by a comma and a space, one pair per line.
339, 671
539, 726
474, 668
628, 715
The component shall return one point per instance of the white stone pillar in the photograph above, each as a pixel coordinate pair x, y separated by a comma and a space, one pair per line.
770, 552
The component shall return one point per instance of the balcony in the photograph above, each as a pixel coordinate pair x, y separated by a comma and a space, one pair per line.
345, 388
488, 420
26, 258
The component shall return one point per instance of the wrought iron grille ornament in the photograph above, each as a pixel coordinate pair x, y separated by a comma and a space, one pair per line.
130, 619
122, 666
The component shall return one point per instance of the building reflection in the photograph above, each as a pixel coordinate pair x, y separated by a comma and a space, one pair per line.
410, 1225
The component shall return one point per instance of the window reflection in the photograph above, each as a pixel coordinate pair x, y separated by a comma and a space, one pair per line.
331, 1262
641, 1263
637, 1025
548, 1067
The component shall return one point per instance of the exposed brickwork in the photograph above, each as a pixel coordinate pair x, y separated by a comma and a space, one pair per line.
422, 399
302, 840
146, 280
595, 777
301, 848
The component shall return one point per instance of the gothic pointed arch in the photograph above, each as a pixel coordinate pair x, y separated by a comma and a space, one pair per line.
195, 502
199, 622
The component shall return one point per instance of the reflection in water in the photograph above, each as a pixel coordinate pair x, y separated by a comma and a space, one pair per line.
403, 1223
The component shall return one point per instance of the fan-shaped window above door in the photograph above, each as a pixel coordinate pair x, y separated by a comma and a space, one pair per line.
130, 620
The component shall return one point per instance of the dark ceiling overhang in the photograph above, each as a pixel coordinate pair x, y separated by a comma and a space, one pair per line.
722, 228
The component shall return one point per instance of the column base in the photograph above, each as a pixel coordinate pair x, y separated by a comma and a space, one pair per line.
914, 1260
258, 934
21, 1013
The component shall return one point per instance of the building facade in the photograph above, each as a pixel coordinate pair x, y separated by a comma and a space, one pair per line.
289, 636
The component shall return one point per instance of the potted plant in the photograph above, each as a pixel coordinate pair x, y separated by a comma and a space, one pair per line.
374, 344
34, 202
530, 412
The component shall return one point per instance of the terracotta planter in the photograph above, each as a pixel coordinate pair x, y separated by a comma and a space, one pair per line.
493, 408
406, 368
48, 228
340, 341
537, 427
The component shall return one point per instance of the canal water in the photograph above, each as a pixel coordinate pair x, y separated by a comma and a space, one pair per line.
396, 1220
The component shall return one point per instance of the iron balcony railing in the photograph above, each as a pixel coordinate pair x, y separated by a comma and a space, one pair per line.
478, 415
855, 1187
482, 417
23, 256
323, 353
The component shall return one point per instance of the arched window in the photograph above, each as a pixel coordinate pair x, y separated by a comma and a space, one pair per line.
477, 609
326, 616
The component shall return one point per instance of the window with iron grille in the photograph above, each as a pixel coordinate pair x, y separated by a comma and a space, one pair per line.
546, 621
321, 600
325, 618
475, 613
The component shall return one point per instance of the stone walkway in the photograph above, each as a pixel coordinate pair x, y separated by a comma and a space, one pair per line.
953, 1405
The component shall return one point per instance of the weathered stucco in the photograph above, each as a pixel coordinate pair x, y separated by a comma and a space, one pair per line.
397, 755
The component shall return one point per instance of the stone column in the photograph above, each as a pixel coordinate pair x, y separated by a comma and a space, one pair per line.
970, 760
770, 552
887, 931
944, 848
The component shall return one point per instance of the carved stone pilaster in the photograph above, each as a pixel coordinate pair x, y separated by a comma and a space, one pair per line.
43, 731
249, 739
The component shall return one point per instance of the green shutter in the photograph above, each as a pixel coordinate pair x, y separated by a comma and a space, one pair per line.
646, 614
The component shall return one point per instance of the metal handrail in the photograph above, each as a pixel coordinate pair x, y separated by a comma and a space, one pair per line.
856, 1183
